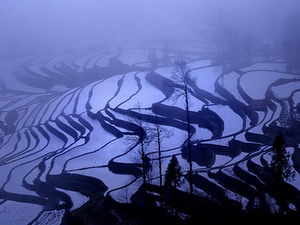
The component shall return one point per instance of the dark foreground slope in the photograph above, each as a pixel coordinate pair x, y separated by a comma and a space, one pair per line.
179, 208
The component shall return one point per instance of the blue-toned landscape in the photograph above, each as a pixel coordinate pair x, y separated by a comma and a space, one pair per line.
153, 118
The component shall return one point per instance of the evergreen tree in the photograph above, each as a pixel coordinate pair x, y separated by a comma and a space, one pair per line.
173, 173
282, 171
281, 168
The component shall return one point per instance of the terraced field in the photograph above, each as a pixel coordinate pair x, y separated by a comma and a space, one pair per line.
69, 129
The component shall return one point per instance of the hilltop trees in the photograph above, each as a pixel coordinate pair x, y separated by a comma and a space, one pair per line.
153, 59
183, 79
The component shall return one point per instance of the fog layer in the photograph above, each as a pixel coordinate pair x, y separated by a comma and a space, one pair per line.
32, 25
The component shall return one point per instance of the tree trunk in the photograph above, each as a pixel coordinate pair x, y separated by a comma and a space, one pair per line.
187, 108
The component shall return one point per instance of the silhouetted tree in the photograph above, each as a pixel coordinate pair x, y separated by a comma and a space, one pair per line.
158, 139
173, 173
281, 170
280, 165
142, 136
183, 79
158, 135
143, 139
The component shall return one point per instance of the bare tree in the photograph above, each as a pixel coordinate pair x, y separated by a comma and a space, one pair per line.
183, 79
159, 133
124, 195
143, 139
158, 139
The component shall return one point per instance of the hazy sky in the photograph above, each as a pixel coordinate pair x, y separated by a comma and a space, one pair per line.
35, 24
